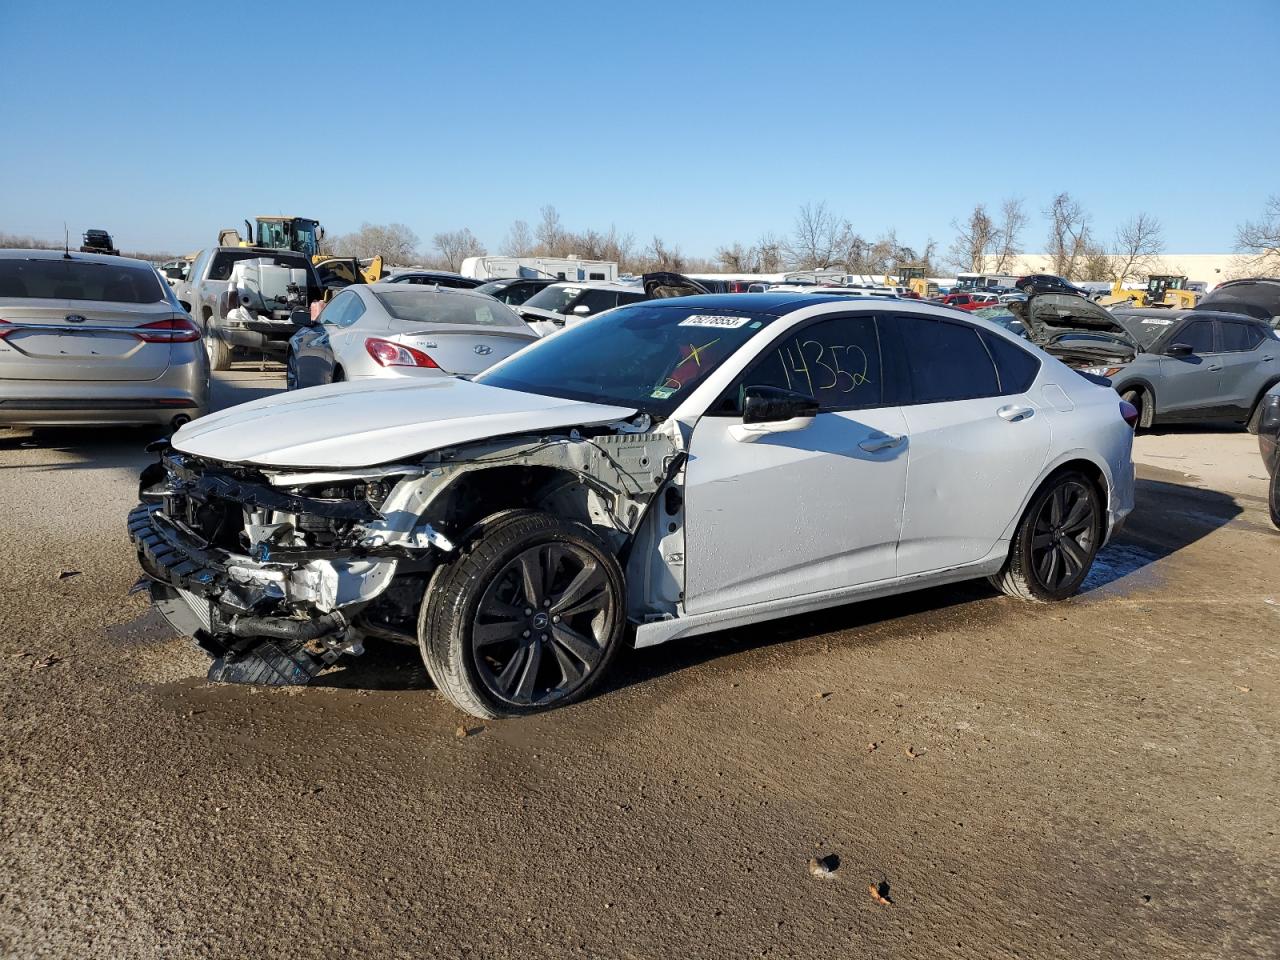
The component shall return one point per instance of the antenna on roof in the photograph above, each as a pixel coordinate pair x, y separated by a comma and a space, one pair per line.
66, 241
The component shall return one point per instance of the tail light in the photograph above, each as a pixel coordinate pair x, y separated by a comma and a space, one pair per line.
388, 354
1130, 413
168, 331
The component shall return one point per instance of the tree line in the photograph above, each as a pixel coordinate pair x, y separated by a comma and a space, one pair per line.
985, 241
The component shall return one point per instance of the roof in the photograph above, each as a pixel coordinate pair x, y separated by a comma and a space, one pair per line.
774, 304
598, 285
15, 254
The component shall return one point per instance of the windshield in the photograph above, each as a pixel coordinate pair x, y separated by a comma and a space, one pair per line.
645, 356
1146, 330
427, 306
554, 298
115, 282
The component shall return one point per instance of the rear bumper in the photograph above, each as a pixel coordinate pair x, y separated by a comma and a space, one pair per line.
55, 404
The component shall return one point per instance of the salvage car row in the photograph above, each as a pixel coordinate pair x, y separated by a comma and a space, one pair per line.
518, 507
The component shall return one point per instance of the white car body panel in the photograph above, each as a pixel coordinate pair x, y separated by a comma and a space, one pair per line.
359, 425
800, 493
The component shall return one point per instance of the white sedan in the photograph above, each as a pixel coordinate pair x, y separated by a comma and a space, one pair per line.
671, 468
389, 330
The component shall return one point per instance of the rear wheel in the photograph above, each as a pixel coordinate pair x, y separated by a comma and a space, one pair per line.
1138, 398
1055, 542
1273, 500
219, 350
528, 618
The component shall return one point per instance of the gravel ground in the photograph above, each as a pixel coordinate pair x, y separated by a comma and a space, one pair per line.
1094, 778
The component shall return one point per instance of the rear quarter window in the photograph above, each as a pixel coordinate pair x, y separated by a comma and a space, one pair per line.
1016, 368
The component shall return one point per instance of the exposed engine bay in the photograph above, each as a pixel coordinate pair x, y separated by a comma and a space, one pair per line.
277, 573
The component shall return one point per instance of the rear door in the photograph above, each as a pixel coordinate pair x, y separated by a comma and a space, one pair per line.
976, 439
1245, 368
76, 320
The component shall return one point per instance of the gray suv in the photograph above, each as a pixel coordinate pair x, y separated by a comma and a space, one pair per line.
1173, 365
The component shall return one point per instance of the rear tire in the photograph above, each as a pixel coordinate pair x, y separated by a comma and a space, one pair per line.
1273, 500
529, 617
1138, 398
1056, 541
218, 350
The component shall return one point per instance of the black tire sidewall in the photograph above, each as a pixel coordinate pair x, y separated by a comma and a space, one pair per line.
1026, 533
1273, 498
454, 594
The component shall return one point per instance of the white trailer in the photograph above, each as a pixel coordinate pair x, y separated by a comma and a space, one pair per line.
573, 269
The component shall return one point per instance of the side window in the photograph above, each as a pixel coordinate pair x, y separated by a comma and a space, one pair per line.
836, 361
353, 312
625, 298
1198, 335
221, 266
193, 273
334, 313
945, 360
1238, 337
598, 300
1015, 367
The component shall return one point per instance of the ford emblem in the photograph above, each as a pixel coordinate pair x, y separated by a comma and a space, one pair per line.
75, 318
483, 349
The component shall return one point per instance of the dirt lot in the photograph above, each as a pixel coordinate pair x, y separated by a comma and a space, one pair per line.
1096, 778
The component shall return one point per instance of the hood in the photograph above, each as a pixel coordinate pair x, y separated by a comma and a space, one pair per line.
664, 283
359, 425
1258, 298
1048, 315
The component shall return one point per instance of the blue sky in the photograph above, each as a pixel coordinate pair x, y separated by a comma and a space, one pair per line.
703, 123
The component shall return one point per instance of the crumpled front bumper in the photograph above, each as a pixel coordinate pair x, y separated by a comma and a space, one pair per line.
255, 619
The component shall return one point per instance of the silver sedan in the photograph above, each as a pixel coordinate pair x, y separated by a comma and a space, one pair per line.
87, 339
391, 330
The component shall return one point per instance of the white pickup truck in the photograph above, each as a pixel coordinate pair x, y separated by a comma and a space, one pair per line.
248, 298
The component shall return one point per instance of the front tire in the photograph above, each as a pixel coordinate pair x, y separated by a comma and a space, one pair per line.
1273, 499
1056, 541
291, 371
529, 617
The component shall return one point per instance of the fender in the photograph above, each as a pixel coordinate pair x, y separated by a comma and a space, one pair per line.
1069, 456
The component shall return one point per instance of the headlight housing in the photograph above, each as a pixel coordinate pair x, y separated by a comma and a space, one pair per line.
1103, 371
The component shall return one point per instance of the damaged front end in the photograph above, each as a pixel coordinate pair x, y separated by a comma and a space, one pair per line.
277, 573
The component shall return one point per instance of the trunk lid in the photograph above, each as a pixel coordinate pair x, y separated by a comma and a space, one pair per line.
80, 340
466, 351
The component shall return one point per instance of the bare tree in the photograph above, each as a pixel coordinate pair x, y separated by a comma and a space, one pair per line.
659, 256
394, 242
454, 246
738, 259
1138, 243
1094, 263
519, 240
818, 240
975, 238
1259, 240
552, 238
1008, 235
1068, 234
770, 251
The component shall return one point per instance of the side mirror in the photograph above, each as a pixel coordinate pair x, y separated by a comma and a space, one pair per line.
582, 309
767, 410
1179, 350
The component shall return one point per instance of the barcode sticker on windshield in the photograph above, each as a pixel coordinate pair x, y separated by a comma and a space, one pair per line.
710, 320
1158, 322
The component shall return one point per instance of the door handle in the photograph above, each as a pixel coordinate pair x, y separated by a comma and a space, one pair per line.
1267, 359
876, 444
1215, 368
1013, 413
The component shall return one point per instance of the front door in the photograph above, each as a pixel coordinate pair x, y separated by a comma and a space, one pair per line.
1190, 385
799, 513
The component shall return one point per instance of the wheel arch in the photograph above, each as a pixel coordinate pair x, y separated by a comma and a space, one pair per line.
1093, 467
1149, 406
1253, 409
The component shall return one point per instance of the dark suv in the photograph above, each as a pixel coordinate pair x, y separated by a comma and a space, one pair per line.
516, 290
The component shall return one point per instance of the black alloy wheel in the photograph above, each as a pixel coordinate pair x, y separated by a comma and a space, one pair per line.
543, 625
1064, 536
